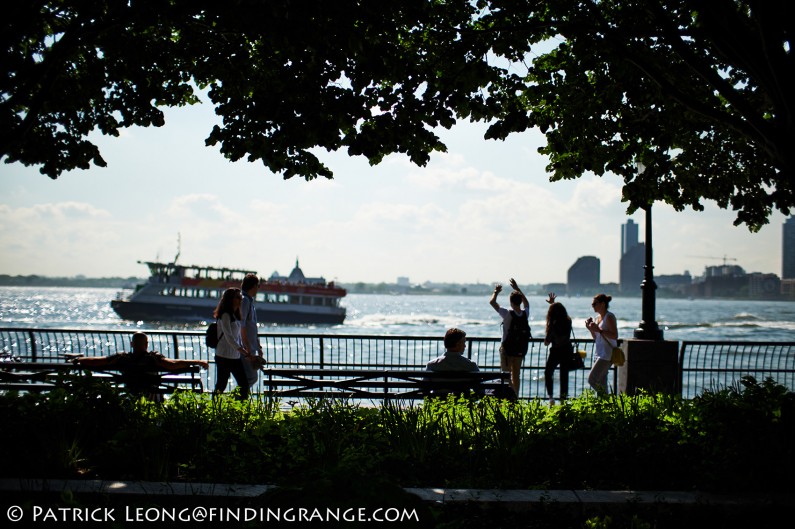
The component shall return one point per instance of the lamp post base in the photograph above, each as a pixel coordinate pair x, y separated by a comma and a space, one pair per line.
648, 332
651, 366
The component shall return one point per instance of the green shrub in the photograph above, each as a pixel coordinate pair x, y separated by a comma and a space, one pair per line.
736, 439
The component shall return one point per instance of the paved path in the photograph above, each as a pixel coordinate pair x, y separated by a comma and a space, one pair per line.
515, 498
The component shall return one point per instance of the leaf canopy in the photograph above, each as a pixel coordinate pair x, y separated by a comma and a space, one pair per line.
699, 93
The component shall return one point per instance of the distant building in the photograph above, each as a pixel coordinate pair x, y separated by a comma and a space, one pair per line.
297, 276
724, 271
583, 276
631, 261
631, 270
402, 285
788, 288
725, 281
557, 288
629, 236
679, 284
763, 285
788, 249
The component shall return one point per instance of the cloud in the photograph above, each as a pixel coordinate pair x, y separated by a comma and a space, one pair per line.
50, 233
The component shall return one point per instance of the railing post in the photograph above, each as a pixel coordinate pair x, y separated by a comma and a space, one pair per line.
33, 352
175, 341
322, 354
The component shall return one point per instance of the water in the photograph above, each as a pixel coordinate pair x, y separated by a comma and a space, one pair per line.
426, 315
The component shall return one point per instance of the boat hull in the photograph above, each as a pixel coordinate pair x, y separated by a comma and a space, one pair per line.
145, 311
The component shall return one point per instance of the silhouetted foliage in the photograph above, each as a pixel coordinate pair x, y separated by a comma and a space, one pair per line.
700, 93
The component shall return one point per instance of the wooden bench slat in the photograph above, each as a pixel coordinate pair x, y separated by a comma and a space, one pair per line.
30, 376
378, 383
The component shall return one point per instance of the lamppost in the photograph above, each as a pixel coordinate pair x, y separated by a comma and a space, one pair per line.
648, 328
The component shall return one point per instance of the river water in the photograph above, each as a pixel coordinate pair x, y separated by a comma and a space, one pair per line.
427, 315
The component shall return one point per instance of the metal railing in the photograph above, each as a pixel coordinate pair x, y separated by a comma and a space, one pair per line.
716, 365
702, 365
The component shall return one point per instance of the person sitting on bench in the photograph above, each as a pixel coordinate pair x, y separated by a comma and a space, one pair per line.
140, 368
453, 360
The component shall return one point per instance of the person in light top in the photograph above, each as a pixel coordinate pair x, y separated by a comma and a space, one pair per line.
230, 351
604, 331
510, 359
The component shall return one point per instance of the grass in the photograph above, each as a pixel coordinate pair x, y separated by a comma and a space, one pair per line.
737, 439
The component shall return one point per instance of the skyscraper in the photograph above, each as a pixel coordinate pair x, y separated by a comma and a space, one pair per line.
629, 236
788, 249
632, 260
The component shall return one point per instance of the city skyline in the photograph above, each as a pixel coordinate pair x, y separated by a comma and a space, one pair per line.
484, 211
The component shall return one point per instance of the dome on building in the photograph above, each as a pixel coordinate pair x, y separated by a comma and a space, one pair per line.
297, 275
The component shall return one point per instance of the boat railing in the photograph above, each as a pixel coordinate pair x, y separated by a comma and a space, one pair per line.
703, 365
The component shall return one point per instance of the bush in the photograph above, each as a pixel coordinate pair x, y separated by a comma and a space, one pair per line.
738, 439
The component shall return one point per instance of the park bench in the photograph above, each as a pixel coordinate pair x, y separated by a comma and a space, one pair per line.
381, 383
45, 376
34, 376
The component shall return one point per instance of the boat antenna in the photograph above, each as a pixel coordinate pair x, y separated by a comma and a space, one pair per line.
179, 247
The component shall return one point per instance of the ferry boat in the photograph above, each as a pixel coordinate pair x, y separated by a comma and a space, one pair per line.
176, 292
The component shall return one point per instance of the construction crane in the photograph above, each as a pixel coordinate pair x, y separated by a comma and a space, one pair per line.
725, 258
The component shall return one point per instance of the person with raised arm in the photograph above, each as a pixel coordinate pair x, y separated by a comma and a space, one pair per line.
515, 331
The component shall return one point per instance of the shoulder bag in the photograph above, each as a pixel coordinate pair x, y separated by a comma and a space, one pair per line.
576, 356
616, 354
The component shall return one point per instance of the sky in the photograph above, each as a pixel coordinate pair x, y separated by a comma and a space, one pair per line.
484, 212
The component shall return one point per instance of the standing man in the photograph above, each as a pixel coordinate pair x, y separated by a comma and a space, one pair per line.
248, 328
515, 332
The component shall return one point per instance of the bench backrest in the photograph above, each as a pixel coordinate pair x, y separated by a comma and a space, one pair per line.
380, 384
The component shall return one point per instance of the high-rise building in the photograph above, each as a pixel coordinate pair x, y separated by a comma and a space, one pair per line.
583, 276
629, 236
631, 273
632, 260
788, 249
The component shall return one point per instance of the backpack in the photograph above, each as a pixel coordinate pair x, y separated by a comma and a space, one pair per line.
211, 337
518, 338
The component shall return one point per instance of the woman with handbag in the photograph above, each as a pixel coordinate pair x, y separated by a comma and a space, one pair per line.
230, 351
558, 337
604, 331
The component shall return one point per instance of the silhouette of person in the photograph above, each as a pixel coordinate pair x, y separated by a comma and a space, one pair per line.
604, 331
248, 328
558, 337
140, 368
511, 360
453, 360
230, 351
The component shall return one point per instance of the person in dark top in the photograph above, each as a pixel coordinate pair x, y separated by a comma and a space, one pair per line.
140, 368
558, 337
453, 360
